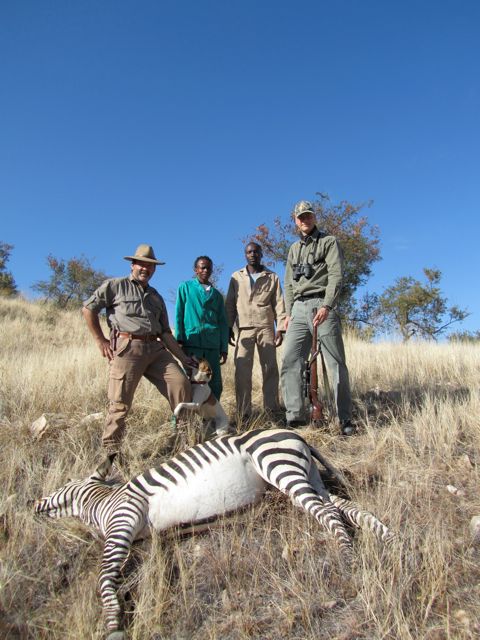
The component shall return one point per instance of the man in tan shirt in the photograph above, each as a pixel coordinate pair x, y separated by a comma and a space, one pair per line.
255, 303
141, 342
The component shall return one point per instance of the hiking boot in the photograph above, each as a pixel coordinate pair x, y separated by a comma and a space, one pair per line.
347, 428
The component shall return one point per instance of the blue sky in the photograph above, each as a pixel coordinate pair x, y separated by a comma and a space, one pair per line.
185, 124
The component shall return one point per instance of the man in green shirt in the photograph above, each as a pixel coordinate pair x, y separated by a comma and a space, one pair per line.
200, 321
141, 342
313, 280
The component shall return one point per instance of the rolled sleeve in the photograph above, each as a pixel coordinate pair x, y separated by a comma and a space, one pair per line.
100, 299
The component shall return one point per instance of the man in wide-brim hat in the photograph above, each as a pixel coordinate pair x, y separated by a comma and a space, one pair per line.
141, 342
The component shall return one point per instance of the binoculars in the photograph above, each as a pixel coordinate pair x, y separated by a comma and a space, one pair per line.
305, 270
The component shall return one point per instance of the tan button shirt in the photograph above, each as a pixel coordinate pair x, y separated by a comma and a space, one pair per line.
130, 307
260, 305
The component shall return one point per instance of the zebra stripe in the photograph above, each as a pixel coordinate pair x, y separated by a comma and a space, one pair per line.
362, 519
196, 486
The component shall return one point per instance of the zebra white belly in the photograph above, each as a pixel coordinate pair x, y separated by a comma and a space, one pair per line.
219, 487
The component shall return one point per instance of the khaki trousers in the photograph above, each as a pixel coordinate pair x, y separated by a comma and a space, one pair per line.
264, 340
132, 360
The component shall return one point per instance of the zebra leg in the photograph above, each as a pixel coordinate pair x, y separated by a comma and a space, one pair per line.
363, 519
304, 495
115, 552
329, 517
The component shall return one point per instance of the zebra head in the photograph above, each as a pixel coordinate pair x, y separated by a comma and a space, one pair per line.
69, 499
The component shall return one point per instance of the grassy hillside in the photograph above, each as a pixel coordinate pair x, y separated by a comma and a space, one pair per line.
272, 573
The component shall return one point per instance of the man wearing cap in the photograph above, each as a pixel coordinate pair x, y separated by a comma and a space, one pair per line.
313, 280
255, 304
141, 342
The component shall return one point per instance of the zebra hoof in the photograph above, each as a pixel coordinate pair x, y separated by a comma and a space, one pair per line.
116, 635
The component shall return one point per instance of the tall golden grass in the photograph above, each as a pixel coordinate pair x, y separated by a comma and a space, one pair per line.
272, 573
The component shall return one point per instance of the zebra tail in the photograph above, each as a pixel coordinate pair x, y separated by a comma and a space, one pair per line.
333, 471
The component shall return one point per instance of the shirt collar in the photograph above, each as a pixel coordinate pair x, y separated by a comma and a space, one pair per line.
132, 279
200, 284
262, 270
312, 236
247, 273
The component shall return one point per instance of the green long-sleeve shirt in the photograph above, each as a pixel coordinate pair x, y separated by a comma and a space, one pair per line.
325, 255
200, 319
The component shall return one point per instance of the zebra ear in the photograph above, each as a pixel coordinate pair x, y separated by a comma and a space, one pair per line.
104, 469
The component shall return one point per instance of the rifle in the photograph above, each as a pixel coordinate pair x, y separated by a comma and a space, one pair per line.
310, 380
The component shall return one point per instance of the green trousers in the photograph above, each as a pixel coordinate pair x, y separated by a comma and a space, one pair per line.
213, 357
296, 348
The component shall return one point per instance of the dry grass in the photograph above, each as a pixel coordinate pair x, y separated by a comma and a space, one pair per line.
271, 573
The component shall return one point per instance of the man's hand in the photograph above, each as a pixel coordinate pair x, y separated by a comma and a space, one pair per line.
174, 348
322, 315
231, 338
105, 348
93, 324
278, 338
223, 357
191, 362
287, 322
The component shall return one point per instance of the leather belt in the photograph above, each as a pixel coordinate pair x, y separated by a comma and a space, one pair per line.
309, 296
146, 338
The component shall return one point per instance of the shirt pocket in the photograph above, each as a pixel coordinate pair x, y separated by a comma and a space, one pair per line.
122, 345
116, 386
209, 317
155, 305
263, 293
318, 255
132, 307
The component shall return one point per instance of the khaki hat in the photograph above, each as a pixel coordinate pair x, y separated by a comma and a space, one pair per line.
145, 253
303, 206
